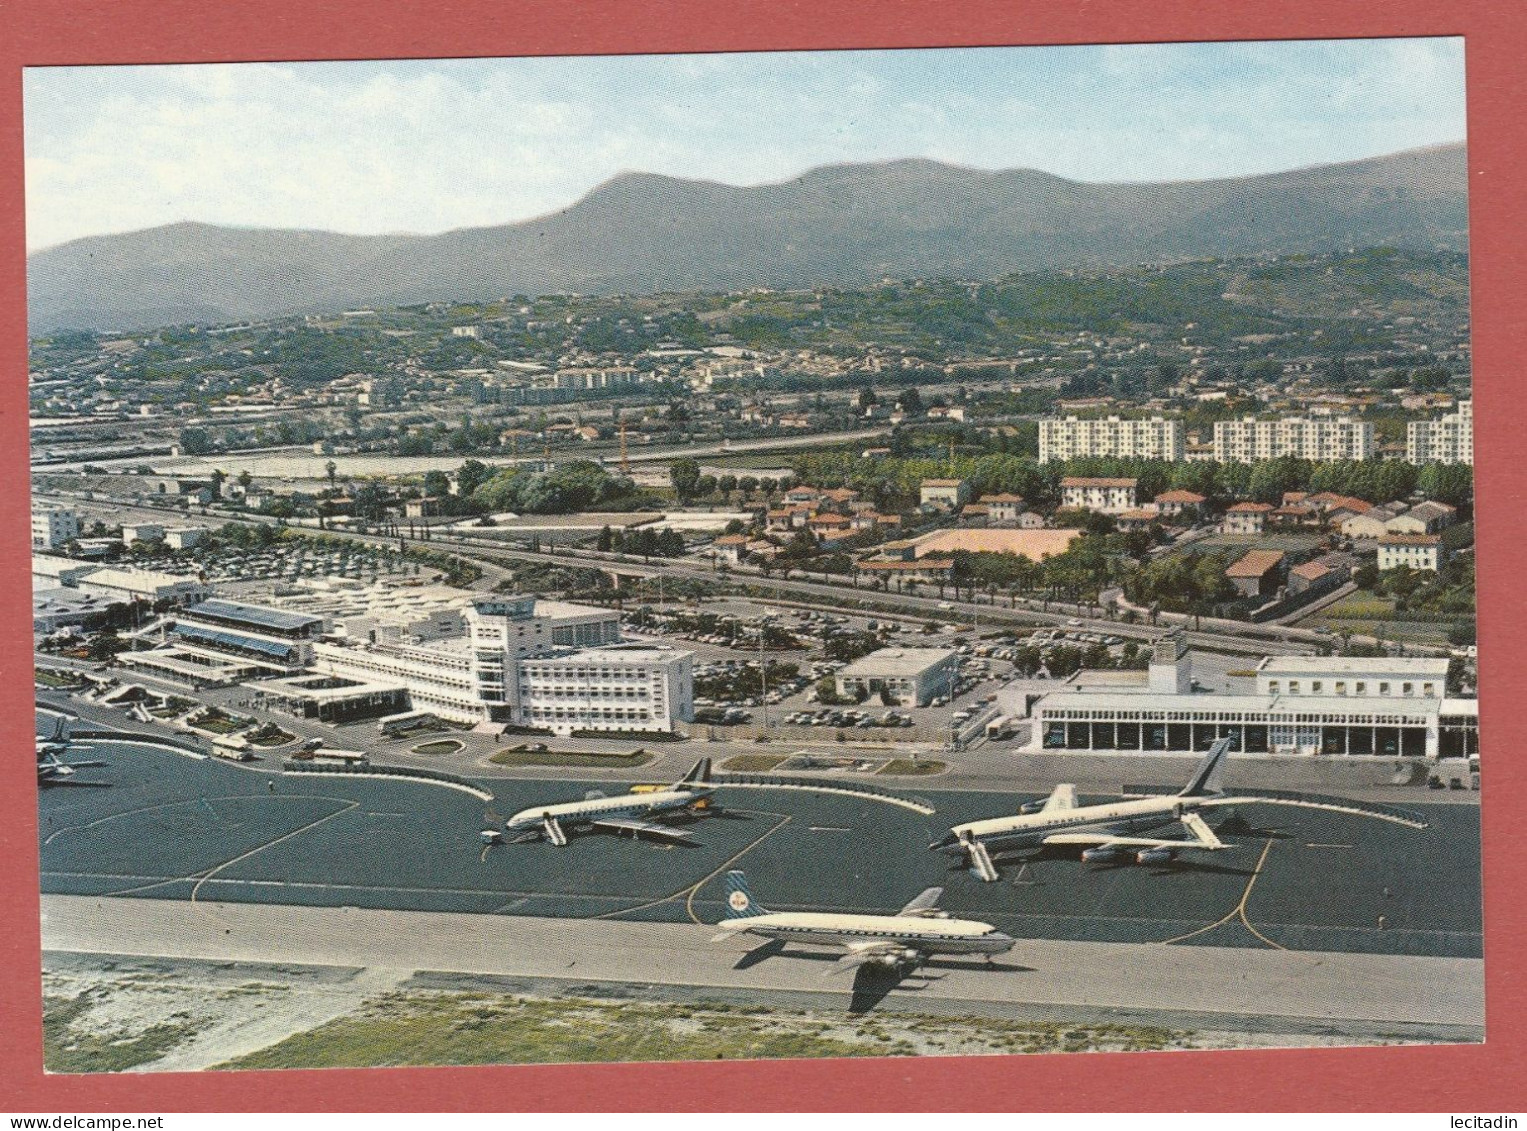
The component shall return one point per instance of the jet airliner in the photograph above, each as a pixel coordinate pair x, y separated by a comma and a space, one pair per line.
50, 766
900, 942
1104, 832
624, 813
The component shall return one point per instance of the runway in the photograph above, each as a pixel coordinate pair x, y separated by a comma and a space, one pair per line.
1402, 996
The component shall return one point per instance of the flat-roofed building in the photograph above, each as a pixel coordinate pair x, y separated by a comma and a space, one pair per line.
159, 589
1321, 439
633, 687
1448, 439
54, 527
1411, 717
911, 677
1075, 438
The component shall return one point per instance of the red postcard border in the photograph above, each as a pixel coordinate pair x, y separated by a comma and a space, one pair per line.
1439, 1078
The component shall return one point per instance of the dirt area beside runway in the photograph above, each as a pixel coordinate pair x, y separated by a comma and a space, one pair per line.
109, 1013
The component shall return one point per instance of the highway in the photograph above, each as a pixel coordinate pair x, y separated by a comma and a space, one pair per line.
1190, 986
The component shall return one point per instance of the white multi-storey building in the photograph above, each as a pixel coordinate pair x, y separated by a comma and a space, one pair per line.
1074, 438
620, 687
53, 527
529, 662
1322, 440
1449, 439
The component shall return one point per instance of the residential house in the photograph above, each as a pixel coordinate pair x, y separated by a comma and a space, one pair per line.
1180, 503
944, 494
1417, 551
1246, 518
1258, 574
1002, 508
1107, 495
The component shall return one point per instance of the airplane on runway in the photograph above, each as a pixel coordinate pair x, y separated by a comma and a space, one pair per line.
899, 943
1103, 832
50, 764
625, 813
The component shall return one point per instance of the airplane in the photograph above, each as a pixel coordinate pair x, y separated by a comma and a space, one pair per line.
51, 767
1103, 832
898, 943
623, 813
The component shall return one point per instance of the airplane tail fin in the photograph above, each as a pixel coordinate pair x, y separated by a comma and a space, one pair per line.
1206, 779
739, 900
699, 774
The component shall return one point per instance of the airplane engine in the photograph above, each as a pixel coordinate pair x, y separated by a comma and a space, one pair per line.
904, 957
1155, 856
1101, 855
1031, 807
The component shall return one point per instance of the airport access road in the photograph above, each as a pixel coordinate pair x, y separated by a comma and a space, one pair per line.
1387, 993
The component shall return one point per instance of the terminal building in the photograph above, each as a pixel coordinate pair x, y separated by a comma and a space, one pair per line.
216, 643
1380, 707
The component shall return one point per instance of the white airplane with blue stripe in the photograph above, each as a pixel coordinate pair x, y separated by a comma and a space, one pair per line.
623, 813
900, 942
1109, 833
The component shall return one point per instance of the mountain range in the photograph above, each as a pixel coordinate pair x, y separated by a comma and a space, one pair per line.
837, 225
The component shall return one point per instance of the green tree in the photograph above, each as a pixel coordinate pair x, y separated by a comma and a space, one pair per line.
684, 474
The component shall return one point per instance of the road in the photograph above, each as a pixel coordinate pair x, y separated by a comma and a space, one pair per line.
1207, 633
1193, 986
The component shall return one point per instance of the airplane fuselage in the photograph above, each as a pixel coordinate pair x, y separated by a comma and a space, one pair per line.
1138, 814
927, 935
594, 809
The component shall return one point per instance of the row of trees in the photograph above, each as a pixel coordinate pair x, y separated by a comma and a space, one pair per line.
1266, 481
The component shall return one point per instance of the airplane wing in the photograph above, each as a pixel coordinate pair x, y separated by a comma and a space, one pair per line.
1389, 813
925, 902
1202, 838
859, 955
641, 828
1062, 797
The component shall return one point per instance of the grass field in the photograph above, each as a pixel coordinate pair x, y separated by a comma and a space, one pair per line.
477, 1028
70, 1044
1366, 613
439, 746
752, 763
56, 679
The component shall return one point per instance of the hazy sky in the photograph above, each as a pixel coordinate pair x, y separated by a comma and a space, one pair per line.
423, 146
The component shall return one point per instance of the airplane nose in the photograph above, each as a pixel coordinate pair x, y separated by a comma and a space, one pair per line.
1005, 942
